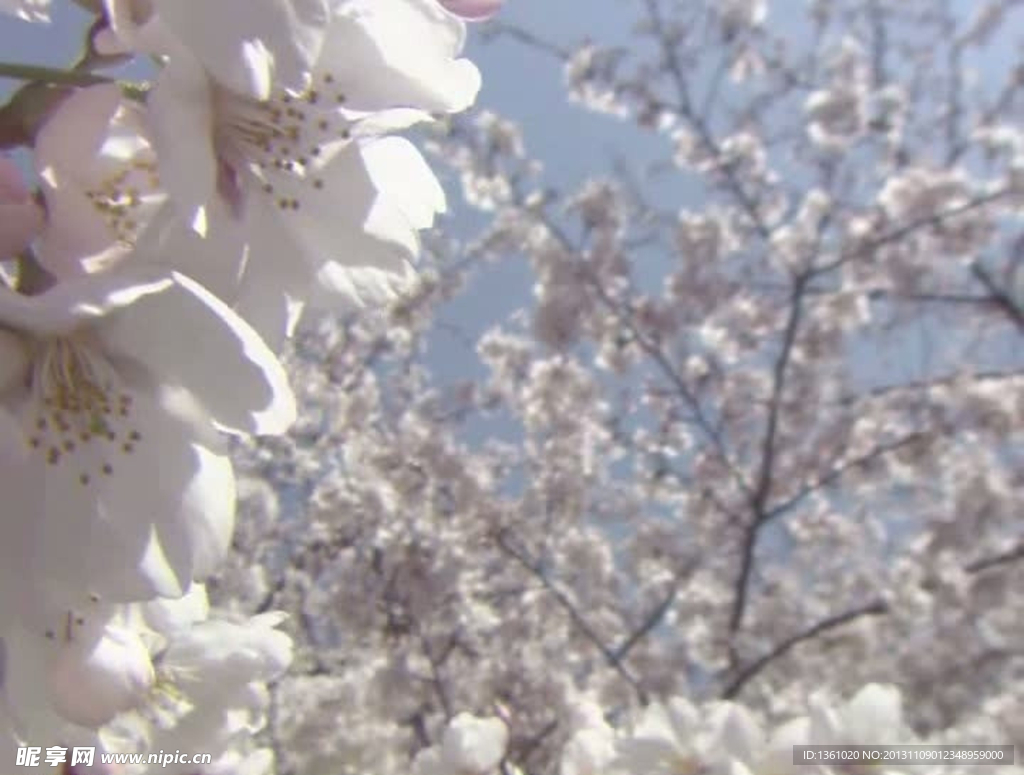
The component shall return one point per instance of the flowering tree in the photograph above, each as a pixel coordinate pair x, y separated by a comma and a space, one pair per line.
745, 471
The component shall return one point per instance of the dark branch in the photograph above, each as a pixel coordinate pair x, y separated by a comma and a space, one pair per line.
748, 672
999, 297
876, 607
764, 482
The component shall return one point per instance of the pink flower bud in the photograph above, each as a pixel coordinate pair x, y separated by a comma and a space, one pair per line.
473, 10
21, 218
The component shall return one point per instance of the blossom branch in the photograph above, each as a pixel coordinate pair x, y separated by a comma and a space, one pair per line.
685, 107
747, 673
764, 483
609, 654
876, 607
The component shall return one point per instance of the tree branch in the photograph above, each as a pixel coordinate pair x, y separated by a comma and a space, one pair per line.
999, 297
577, 618
764, 482
876, 607
747, 673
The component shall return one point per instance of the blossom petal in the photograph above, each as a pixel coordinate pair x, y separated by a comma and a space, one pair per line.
71, 303
332, 222
181, 109
188, 336
399, 53
122, 514
249, 44
98, 174
407, 184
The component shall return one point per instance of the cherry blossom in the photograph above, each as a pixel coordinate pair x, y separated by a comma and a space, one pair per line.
100, 181
262, 180
471, 746
248, 47
118, 473
675, 736
722, 461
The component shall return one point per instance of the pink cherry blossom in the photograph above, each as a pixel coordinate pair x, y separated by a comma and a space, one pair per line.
473, 10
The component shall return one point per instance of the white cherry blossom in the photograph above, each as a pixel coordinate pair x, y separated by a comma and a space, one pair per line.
117, 387
99, 178
110, 680
249, 46
471, 746
302, 193
676, 736
210, 686
872, 716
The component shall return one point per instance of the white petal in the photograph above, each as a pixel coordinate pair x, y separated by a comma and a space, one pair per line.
66, 150
217, 657
76, 130
247, 44
399, 53
168, 615
736, 733
14, 360
655, 723
75, 302
128, 515
93, 681
265, 282
99, 180
180, 106
215, 260
276, 282
341, 288
258, 762
189, 337
135, 28
410, 194
777, 757
213, 496
21, 218
382, 122
329, 222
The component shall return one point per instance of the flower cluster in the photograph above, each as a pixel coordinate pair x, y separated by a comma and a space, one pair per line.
181, 228
744, 429
675, 737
